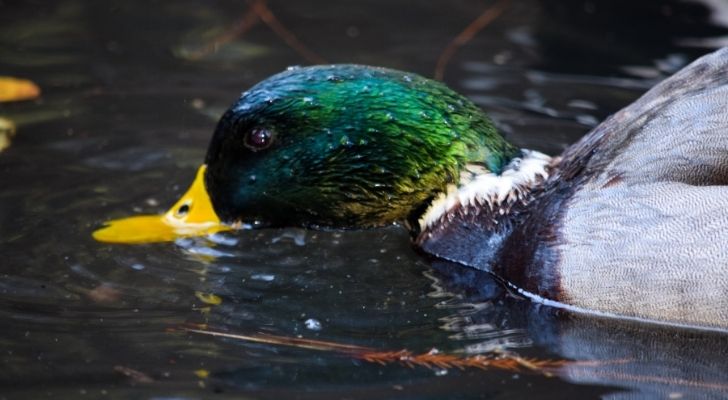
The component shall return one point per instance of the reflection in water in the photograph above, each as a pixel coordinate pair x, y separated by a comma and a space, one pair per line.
125, 117
646, 360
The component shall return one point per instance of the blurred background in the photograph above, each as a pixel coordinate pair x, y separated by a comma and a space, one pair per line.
114, 110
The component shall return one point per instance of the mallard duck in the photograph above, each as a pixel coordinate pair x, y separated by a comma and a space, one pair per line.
631, 221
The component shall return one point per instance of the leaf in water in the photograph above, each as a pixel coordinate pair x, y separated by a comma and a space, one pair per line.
209, 298
14, 89
7, 131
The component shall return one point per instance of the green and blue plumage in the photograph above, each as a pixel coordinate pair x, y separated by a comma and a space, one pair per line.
352, 146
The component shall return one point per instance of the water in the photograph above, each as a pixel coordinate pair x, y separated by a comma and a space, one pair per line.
130, 97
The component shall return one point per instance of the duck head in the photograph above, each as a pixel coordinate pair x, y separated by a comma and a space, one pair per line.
339, 146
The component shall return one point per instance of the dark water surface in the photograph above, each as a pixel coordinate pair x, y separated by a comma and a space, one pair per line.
131, 93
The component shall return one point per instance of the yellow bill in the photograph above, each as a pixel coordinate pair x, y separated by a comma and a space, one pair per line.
192, 215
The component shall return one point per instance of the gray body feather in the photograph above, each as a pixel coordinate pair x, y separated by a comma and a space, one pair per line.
646, 234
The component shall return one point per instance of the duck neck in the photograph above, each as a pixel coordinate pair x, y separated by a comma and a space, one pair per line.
484, 198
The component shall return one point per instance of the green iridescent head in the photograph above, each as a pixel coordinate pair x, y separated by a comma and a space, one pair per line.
332, 146
344, 146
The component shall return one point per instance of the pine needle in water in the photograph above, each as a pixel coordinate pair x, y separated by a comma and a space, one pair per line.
431, 359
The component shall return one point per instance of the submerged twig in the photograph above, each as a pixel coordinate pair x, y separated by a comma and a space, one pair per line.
134, 375
267, 16
301, 343
484, 19
258, 11
246, 23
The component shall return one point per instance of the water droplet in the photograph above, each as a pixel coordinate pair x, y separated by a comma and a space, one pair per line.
312, 324
137, 267
293, 67
345, 141
407, 78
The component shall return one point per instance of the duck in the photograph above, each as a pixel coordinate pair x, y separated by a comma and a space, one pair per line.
630, 222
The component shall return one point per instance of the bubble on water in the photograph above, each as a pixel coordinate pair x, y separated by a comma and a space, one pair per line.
263, 277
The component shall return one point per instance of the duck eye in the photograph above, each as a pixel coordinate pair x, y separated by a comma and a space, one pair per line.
258, 139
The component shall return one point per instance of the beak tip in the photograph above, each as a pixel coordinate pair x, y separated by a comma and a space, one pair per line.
201, 220
103, 235
151, 229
